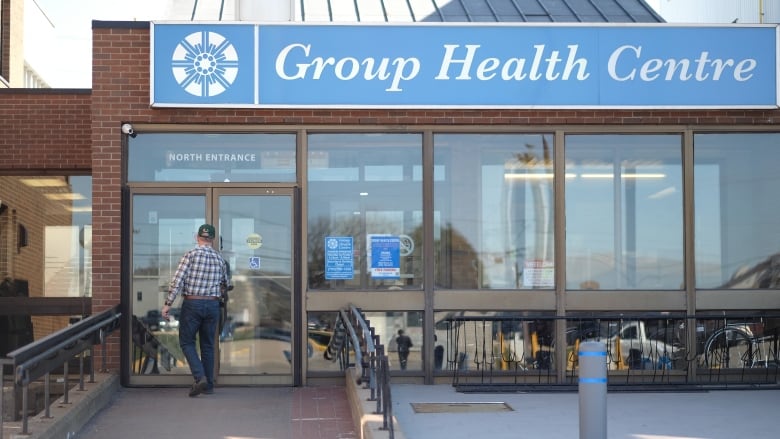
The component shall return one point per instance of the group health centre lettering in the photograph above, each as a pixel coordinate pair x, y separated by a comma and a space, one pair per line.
624, 64
462, 66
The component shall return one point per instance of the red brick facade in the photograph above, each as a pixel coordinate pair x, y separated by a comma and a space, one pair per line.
45, 130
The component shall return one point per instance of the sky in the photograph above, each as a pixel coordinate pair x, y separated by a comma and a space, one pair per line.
58, 40
58, 33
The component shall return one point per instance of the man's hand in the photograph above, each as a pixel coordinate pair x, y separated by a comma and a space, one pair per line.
166, 312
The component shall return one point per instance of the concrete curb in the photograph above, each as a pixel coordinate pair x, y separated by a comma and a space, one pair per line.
67, 419
367, 421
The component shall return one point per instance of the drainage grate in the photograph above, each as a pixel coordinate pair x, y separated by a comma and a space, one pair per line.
460, 407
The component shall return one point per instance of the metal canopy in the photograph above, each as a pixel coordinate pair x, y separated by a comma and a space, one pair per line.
454, 11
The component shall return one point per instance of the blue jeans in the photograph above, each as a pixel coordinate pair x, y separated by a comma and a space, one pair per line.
199, 318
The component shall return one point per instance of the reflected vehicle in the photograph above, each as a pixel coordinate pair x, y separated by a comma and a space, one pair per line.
173, 321
319, 339
629, 346
152, 319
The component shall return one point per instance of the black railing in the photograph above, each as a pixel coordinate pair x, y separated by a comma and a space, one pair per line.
644, 349
353, 335
40, 358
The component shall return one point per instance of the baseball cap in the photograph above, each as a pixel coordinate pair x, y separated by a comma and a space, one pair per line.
206, 231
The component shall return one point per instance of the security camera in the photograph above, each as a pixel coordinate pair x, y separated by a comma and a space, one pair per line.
128, 129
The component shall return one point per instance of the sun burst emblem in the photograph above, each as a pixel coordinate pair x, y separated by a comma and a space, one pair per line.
205, 64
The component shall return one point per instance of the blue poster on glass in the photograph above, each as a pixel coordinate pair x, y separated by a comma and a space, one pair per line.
338, 257
385, 257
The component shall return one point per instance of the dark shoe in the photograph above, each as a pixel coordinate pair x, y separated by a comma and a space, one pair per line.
209, 391
199, 387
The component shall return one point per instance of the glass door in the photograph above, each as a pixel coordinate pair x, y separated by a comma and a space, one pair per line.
256, 239
255, 235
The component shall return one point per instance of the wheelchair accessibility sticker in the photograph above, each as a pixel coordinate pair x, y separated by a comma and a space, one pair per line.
254, 263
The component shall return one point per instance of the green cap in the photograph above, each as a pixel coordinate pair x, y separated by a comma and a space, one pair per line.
207, 231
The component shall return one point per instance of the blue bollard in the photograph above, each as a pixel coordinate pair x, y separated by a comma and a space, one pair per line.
593, 390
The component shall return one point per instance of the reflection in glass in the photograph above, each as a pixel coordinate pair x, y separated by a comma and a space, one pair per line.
363, 186
494, 341
386, 325
212, 157
256, 240
736, 183
163, 230
47, 219
320, 327
493, 201
738, 343
624, 222
45, 249
649, 344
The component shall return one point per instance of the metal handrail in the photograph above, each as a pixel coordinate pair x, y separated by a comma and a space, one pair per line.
657, 349
366, 344
353, 336
40, 358
370, 347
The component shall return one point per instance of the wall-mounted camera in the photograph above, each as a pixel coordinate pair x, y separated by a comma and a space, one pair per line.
128, 129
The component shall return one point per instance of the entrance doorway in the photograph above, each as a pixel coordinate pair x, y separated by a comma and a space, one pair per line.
258, 341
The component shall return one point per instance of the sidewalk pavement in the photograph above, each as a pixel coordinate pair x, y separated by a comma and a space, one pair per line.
421, 412
723, 414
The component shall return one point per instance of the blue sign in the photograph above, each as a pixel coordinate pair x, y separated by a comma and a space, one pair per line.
196, 64
464, 66
339, 260
254, 263
385, 257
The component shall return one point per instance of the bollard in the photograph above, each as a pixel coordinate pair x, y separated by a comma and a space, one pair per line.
593, 390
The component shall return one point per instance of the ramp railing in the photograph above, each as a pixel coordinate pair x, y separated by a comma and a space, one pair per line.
353, 335
646, 350
40, 358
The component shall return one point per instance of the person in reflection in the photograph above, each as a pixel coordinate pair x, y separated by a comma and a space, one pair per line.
404, 343
201, 277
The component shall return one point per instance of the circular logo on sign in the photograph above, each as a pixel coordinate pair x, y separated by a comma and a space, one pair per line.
254, 241
205, 64
407, 244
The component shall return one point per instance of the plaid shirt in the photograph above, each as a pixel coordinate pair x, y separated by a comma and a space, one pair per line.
201, 272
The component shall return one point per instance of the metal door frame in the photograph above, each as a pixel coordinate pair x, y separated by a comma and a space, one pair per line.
211, 194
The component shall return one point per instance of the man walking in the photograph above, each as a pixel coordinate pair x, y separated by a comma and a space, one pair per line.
404, 342
200, 278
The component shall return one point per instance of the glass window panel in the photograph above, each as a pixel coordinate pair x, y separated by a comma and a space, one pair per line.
363, 188
624, 221
386, 325
737, 342
212, 157
494, 341
737, 216
46, 234
164, 229
494, 222
655, 344
45, 249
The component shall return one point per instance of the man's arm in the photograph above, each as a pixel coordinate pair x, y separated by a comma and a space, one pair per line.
176, 285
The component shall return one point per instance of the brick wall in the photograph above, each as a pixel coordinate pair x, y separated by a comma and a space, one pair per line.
44, 130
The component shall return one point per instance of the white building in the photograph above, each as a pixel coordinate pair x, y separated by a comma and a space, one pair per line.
718, 11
